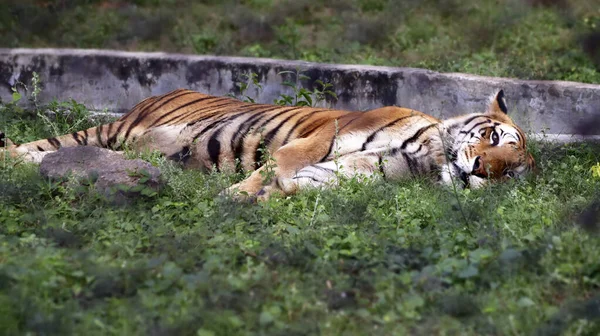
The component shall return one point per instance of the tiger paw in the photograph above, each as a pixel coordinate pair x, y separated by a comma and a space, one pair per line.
234, 192
267, 192
237, 194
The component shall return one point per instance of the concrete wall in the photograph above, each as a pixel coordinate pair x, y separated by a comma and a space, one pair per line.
116, 81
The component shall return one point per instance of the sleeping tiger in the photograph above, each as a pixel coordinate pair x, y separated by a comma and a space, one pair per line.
308, 147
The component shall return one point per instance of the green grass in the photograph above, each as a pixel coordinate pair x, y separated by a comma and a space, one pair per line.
535, 39
402, 257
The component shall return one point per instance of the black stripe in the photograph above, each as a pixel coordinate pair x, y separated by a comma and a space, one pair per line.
434, 168
258, 155
372, 136
237, 140
218, 107
150, 108
214, 148
213, 144
329, 150
263, 124
113, 138
209, 127
452, 155
54, 142
108, 136
255, 114
304, 176
260, 115
85, 137
466, 122
328, 170
300, 122
218, 121
471, 129
141, 105
192, 123
463, 175
180, 107
99, 135
199, 110
76, 138
349, 122
223, 119
418, 149
143, 115
316, 126
381, 168
277, 184
181, 156
39, 148
410, 162
416, 136
214, 108
138, 108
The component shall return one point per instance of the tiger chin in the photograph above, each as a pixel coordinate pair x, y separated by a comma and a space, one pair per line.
308, 147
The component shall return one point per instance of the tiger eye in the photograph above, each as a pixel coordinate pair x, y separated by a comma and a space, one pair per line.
495, 138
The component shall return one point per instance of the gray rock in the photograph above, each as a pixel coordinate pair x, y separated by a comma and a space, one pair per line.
111, 174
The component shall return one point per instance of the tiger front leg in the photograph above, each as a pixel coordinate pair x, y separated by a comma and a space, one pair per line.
257, 186
317, 175
286, 161
327, 174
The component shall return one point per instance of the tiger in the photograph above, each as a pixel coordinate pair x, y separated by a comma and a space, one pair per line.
302, 146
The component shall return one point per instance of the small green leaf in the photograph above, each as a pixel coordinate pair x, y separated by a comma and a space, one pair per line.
204, 332
469, 272
525, 302
16, 96
480, 254
509, 254
266, 318
236, 322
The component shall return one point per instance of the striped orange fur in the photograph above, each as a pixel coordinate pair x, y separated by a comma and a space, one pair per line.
309, 146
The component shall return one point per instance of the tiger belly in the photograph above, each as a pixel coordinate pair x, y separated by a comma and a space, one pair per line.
390, 158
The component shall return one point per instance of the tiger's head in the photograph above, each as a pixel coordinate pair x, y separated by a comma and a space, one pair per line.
488, 146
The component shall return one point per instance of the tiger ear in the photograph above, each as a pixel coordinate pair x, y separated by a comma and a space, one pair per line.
498, 103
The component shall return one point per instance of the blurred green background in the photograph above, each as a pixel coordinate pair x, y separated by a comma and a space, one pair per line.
528, 39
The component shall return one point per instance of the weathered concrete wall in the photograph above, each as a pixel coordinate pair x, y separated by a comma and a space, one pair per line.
116, 81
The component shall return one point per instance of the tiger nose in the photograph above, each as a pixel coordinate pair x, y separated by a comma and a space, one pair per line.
478, 167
